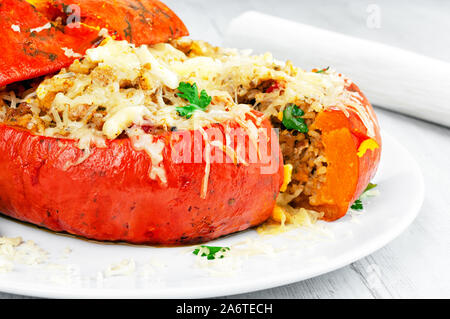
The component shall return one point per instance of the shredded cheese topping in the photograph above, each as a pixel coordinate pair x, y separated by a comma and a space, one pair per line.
46, 26
133, 84
70, 53
119, 89
15, 27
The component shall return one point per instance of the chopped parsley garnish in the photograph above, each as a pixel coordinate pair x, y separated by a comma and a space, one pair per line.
189, 92
292, 118
323, 70
212, 251
358, 205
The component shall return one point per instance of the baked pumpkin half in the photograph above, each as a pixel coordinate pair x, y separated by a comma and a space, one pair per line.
175, 142
117, 147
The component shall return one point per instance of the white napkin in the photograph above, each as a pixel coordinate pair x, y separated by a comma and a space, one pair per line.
391, 78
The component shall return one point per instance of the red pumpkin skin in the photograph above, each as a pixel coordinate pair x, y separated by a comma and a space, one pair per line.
137, 21
25, 54
31, 54
111, 197
347, 174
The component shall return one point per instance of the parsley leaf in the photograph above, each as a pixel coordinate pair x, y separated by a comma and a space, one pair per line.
358, 205
190, 93
212, 251
292, 120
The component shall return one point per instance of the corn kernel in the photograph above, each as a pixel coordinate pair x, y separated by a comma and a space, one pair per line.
280, 116
368, 144
287, 177
279, 214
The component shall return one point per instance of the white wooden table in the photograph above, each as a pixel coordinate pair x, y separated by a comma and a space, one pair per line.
417, 263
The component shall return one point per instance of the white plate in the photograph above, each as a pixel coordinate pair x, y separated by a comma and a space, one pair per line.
177, 273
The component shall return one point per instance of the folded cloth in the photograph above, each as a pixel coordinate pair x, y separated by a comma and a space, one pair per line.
392, 78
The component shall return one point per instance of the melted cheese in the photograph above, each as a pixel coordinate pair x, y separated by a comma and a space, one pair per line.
154, 149
70, 53
157, 69
41, 28
119, 56
15, 27
122, 119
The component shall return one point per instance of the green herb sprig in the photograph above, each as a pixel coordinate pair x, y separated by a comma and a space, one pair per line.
189, 92
212, 251
358, 205
292, 118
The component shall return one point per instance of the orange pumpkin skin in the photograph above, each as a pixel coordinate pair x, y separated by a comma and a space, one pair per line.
347, 174
137, 21
31, 53
111, 197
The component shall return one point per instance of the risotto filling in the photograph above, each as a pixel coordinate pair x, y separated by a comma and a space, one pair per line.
117, 86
